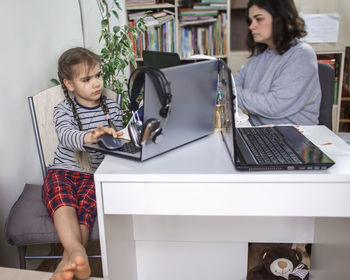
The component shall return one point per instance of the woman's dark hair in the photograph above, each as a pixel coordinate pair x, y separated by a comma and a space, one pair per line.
287, 25
66, 63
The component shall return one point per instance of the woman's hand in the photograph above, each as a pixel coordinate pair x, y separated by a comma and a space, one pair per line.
94, 134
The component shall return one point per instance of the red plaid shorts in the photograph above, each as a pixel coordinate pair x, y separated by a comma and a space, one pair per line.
70, 188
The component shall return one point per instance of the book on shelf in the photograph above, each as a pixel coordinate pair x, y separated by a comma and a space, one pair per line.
151, 18
222, 5
332, 61
197, 22
139, 3
136, 15
204, 39
346, 74
159, 14
158, 37
197, 12
208, 6
164, 19
169, 12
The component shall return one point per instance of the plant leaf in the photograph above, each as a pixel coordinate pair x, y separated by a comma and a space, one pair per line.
115, 14
55, 81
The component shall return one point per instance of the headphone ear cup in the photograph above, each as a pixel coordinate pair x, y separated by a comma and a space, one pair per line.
148, 128
157, 136
135, 133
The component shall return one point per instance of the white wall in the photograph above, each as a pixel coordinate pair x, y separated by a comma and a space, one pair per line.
33, 35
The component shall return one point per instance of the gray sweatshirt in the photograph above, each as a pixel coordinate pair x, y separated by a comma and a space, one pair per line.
281, 89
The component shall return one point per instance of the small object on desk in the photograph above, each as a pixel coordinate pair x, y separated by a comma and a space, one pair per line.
220, 117
241, 117
107, 141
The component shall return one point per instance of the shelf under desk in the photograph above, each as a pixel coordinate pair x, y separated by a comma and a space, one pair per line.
189, 207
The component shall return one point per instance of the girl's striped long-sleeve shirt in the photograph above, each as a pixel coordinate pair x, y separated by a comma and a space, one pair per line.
71, 139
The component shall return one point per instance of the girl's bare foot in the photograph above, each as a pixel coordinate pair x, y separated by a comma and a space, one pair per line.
81, 264
74, 265
61, 273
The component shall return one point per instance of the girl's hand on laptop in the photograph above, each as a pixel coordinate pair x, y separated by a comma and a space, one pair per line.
94, 134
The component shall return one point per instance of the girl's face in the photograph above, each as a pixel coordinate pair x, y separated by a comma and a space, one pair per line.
261, 26
87, 84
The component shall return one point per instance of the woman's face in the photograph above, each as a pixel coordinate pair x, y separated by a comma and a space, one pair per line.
261, 26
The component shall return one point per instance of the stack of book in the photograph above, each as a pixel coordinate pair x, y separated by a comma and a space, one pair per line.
138, 3
160, 35
210, 5
193, 16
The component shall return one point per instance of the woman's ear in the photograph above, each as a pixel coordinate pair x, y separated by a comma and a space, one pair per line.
69, 84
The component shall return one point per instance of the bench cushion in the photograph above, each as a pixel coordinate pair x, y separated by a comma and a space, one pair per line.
28, 222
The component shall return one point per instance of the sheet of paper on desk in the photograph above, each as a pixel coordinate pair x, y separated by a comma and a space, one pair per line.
321, 28
126, 135
332, 146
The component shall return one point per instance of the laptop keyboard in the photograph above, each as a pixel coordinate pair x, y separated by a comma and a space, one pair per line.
130, 148
268, 146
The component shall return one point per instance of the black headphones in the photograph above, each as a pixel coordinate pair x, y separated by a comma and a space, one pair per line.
152, 129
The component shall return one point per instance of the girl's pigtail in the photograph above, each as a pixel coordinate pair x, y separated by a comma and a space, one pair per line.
105, 110
82, 158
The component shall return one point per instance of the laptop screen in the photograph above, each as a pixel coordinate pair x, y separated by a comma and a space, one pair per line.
160, 59
229, 103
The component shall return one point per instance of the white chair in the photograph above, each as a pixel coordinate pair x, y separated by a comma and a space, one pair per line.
28, 223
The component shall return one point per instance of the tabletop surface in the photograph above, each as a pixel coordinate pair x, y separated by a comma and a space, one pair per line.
207, 160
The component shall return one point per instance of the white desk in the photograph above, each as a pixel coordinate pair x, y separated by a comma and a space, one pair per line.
188, 214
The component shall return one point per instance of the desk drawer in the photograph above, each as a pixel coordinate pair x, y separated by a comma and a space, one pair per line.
305, 199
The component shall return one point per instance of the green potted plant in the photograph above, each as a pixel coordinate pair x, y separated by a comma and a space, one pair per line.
117, 52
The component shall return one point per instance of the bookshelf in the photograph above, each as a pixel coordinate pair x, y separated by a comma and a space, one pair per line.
161, 19
196, 27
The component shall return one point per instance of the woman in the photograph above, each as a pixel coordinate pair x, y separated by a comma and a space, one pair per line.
279, 84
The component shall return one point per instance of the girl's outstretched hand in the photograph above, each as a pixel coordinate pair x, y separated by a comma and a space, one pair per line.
94, 134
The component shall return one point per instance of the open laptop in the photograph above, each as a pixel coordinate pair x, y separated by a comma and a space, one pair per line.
268, 148
160, 59
192, 116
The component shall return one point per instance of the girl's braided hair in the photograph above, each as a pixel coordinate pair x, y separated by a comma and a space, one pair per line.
66, 63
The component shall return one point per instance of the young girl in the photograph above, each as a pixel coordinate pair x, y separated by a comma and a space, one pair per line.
69, 190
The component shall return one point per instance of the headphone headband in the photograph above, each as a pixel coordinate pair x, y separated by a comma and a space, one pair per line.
153, 128
160, 82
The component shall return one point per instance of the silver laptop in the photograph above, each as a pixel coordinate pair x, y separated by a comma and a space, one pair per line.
193, 88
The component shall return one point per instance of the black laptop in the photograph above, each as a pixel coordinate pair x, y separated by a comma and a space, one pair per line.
160, 59
268, 148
